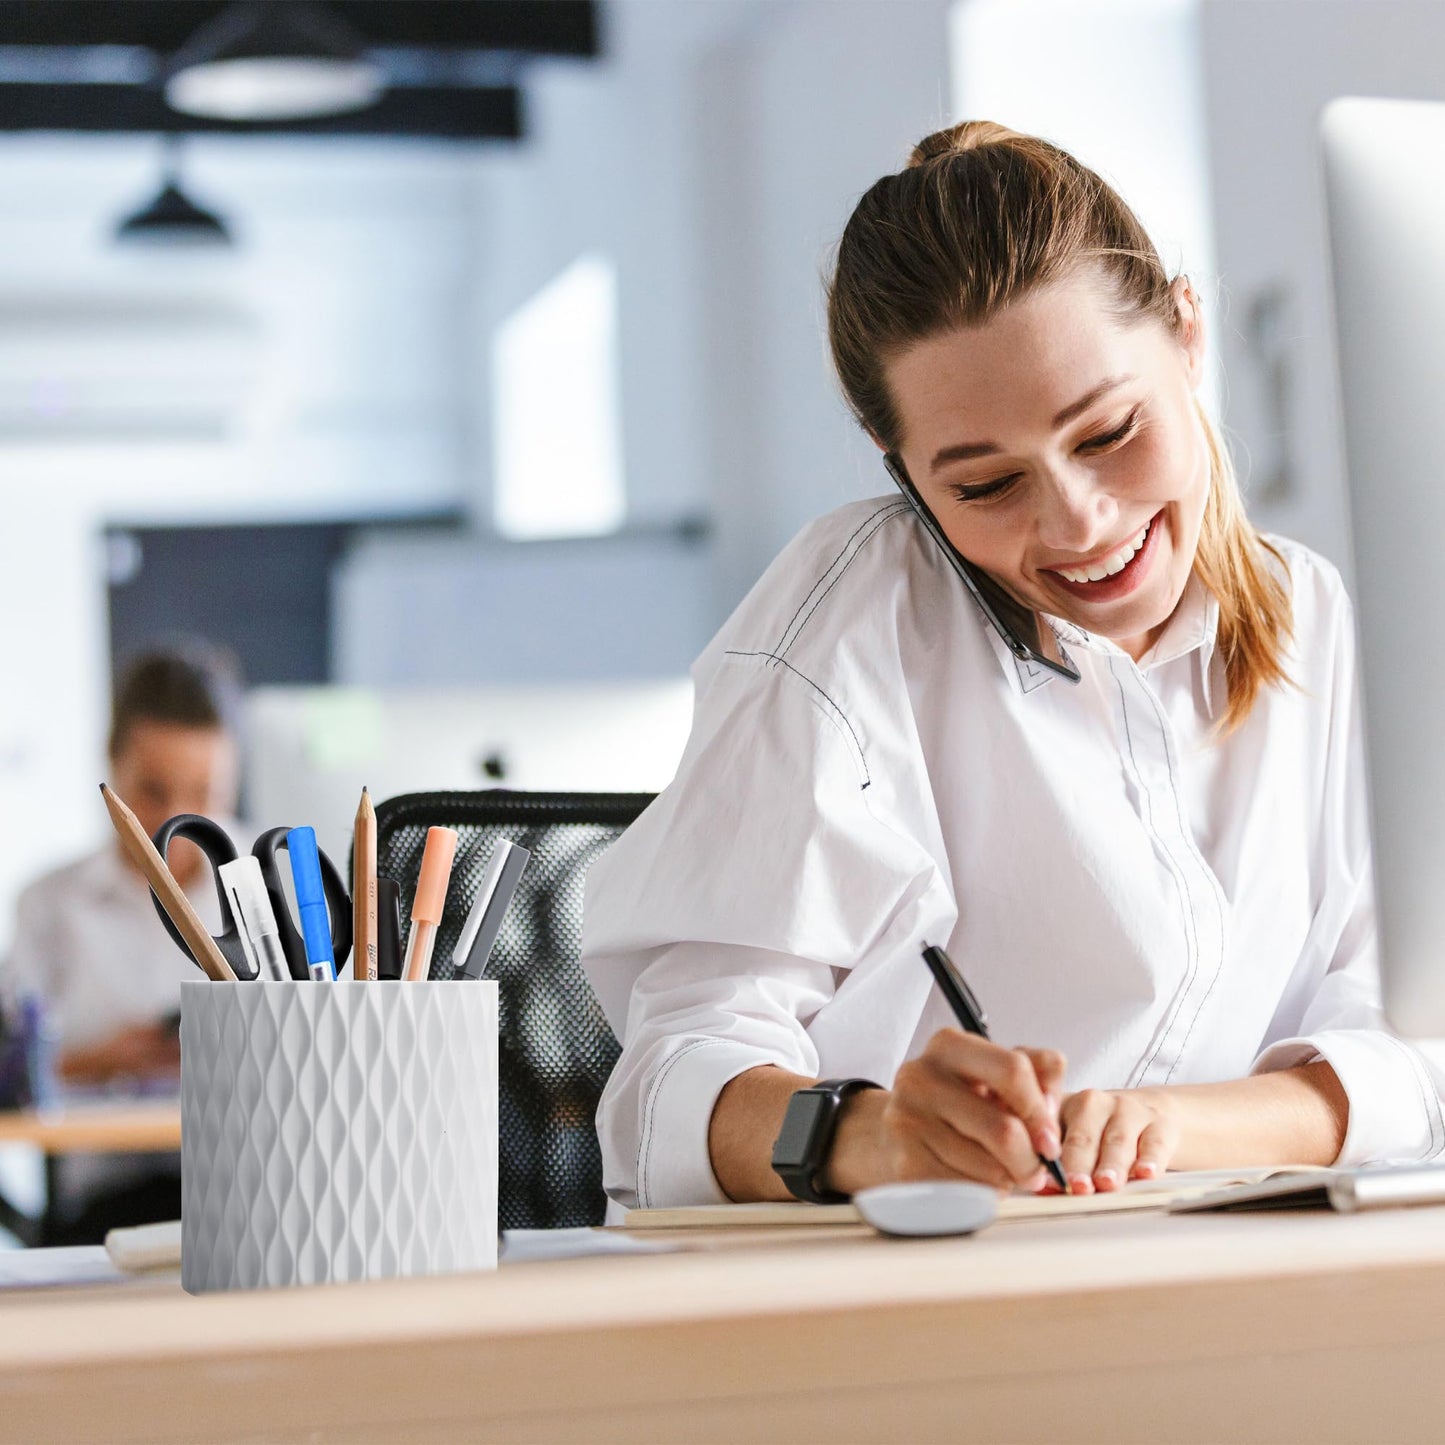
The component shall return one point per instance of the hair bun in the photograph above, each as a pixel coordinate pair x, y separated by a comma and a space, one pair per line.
967, 135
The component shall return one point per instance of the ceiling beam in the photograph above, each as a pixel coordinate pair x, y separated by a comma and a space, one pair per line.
475, 114
538, 27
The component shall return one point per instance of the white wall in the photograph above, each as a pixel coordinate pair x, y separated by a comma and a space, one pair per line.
1269, 69
797, 116
716, 153
425, 611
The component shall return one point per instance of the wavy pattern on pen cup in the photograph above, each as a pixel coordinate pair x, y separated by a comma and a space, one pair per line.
336, 1131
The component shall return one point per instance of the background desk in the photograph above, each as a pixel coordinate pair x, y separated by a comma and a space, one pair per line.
1265, 1327
118, 1127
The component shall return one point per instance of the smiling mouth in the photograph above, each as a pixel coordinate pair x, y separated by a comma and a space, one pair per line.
1115, 574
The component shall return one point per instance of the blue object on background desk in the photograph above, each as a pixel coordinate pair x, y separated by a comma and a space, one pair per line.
311, 903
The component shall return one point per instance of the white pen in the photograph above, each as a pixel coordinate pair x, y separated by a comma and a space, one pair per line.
255, 919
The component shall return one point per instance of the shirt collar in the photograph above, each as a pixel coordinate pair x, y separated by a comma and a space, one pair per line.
1192, 627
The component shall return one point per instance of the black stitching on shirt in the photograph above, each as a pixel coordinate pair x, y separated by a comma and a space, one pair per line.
645, 1191
773, 657
882, 522
1141, 1068
1189, 841
890, 506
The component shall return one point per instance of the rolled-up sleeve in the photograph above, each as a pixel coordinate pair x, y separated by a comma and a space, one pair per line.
1394, 1087
728, 915
700, 1017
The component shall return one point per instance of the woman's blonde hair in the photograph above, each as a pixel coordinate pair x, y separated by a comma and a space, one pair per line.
980, 217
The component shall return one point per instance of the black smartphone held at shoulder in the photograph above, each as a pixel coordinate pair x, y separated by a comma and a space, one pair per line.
1016, 624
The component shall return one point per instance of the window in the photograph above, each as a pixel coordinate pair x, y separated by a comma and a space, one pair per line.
556, 409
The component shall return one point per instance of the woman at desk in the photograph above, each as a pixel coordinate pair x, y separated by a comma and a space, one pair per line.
1143, 842
88, 942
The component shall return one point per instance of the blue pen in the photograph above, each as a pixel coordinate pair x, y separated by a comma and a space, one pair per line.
311, 903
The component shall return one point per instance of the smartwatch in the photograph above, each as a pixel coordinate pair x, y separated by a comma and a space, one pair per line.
802, 1145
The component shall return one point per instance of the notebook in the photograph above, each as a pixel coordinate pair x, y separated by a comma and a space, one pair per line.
1346, 1191
1141, 1194
145, 1247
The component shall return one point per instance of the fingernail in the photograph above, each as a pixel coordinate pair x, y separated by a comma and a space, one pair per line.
1146, 1169
1052, 1103
1048, 1143
1081, 1184
1107, 1178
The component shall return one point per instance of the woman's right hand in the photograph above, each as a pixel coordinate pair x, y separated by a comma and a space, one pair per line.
965, 1108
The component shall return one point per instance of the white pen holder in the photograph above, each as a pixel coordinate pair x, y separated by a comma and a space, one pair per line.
336, 1131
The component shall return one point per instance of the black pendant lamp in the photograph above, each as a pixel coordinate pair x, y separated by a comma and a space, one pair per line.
172, 218
272, 60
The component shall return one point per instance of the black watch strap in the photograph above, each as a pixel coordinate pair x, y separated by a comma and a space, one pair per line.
803, 1144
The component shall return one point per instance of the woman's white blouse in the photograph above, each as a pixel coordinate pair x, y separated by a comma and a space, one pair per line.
870, 770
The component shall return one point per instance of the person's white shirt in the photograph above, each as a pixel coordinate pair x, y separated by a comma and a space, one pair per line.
870, 770
88, 941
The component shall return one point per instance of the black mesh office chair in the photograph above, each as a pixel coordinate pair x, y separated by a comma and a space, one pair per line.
556, 1049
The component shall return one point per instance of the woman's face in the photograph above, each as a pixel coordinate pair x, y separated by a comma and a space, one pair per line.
1060, 451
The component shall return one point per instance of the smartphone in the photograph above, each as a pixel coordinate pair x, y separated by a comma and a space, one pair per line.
1016, 624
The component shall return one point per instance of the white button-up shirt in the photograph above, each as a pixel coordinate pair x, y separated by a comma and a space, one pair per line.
870, 769
89, 942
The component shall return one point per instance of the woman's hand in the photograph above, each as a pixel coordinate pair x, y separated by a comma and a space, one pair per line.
1112, 1136
965, 1108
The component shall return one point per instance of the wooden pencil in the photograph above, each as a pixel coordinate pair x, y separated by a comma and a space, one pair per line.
172, 896
363, 892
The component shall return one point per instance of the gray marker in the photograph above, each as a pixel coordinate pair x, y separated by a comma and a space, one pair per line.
494, 896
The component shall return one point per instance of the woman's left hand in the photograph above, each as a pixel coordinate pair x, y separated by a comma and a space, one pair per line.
1111, 1136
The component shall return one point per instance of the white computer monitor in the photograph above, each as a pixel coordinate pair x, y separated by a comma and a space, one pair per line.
310, 749
1385, 186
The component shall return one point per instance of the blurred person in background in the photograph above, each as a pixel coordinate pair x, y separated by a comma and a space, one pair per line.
88, 943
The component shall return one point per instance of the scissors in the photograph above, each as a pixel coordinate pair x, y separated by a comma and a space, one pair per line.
213, 841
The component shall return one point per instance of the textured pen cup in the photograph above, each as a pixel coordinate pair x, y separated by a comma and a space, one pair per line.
339, 1131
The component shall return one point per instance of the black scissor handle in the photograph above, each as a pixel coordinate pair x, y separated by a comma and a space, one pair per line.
211, 839
338, 904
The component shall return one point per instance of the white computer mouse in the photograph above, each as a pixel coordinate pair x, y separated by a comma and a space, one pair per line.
929, 1207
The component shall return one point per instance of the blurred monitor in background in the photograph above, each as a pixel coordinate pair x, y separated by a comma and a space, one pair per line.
310, 750
1385, 181
88, 944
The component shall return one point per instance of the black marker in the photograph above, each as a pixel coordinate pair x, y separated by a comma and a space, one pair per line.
972, 1020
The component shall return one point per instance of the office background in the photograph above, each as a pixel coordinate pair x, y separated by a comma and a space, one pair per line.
535, 412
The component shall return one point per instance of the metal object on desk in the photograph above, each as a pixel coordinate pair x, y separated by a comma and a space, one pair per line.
218, 849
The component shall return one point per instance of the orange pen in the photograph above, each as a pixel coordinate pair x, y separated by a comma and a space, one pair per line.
431, 894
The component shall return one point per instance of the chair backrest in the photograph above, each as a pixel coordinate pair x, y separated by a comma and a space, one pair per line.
556, 1047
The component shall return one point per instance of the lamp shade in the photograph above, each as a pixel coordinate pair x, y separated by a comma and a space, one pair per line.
272, 60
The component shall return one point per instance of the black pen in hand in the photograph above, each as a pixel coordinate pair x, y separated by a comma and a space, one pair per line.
971, 1019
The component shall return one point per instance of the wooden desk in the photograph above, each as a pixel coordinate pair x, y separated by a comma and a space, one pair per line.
1125, 1328
120, 1126
124, 1127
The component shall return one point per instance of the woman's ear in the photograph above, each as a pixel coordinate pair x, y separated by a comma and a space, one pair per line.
1190, 327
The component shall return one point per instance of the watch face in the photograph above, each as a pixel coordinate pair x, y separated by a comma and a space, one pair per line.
800, 1127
